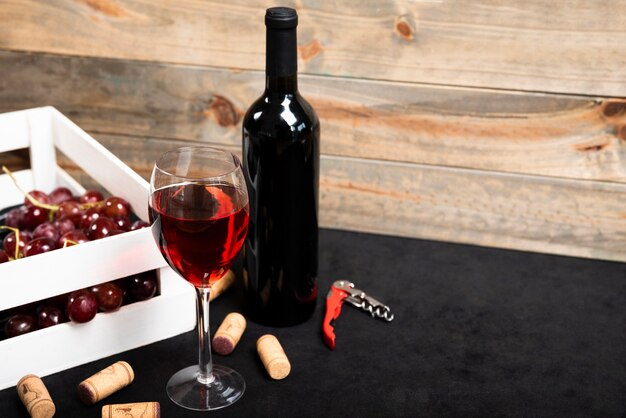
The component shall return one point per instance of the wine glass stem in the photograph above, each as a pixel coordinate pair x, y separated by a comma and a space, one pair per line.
205, 361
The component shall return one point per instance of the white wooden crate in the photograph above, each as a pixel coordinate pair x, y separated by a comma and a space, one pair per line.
42, 130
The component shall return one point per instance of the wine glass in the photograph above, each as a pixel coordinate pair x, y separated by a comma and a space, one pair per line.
199, 214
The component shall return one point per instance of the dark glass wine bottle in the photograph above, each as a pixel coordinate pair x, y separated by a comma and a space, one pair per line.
281, 146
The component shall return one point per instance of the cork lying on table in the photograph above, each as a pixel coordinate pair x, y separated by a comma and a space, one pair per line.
105, 382
273, 357
222, 285
132, 410
35, 397
229, 333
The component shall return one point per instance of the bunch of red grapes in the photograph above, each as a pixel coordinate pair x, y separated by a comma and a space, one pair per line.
47, 222
78, 306
59, 219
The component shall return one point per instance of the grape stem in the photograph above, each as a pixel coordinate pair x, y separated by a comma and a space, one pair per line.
67, 242
17, 239
35, 202
31, 199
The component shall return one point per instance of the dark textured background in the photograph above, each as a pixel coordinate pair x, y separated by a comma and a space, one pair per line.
478, 332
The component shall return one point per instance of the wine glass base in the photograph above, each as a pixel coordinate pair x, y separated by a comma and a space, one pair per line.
224, 388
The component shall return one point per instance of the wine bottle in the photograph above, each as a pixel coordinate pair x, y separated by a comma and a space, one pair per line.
281, 146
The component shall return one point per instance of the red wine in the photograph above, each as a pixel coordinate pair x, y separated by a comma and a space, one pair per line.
199, 229
281, 143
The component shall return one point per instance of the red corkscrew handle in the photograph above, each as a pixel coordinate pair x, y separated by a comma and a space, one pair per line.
334, 300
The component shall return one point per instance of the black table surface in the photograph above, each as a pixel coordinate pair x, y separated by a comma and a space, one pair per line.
477, 332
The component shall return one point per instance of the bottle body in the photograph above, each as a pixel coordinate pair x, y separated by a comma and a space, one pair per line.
281, 148
281, 151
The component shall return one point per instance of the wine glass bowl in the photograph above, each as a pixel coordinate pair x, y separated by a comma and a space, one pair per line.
199, 213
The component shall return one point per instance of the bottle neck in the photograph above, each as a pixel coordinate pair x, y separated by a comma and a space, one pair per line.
281, 84
281, 62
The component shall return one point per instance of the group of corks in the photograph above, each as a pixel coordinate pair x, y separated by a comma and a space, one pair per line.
271, 352
37, 400
230, 331
39, 404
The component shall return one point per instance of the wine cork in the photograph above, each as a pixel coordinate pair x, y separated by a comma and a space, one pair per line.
229, 333
105, 382
273, 357
132, 410
35, 397
222, 285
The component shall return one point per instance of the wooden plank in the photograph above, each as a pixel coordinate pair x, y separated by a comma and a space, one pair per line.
568, 217
576, 46
554, 135
15, 160
547, 215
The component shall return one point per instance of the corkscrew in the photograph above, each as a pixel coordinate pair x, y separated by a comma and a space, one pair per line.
341, 291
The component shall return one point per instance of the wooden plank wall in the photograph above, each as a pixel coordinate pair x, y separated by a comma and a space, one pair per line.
498, 123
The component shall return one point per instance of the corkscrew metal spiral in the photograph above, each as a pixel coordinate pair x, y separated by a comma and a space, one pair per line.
361, 300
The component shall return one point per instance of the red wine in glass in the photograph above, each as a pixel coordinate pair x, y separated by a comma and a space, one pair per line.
199, 229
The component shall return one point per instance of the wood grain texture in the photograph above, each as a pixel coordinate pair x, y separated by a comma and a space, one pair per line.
576, 218
15, 160
548, 215
576, 46
539, 134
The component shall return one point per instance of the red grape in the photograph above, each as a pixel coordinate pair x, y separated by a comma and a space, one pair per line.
88, 217
39, 246
115, 207
9, 242
143, 286
60, 195
64, 226
138, 225
70, 210
39, 196
15, 218
82, 306
48, 316
4, 257
46, 230
34, 216
19, 324
122, 222
72, 238
109, 296
101, 228
91, 196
